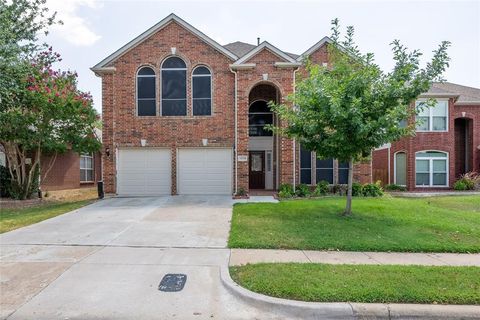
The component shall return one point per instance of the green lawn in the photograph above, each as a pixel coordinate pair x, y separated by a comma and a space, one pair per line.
11, 219
437, 224
362, 283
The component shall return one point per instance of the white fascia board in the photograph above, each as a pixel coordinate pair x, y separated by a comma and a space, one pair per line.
155, 28
261, 46
105, 70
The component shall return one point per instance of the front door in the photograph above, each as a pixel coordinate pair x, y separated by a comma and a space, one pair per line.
257, 170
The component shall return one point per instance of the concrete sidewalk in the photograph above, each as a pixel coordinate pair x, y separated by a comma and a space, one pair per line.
244, 256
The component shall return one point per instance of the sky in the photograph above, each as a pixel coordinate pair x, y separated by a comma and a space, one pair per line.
93, 29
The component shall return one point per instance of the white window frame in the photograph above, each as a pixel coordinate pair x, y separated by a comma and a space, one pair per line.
430, 116
211, 89
430, 160
136, 88
186, 86
90, 156
395, 168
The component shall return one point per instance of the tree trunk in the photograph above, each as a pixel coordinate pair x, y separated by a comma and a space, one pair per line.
348, 207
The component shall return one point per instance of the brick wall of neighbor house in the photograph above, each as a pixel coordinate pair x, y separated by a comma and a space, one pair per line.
440, 141
65, 172
380, 165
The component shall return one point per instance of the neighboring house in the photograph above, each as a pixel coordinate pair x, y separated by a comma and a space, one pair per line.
445, 146
184, 115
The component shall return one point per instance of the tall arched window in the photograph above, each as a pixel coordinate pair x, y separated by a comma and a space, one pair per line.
174, 87
259, 115
146, 97
202, 91
400, 168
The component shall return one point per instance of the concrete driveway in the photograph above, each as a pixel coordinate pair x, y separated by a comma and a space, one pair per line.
105, 261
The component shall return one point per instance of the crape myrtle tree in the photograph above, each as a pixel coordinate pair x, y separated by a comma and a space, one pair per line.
41, 109
346, 109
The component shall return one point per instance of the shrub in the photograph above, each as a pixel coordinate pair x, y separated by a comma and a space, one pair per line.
303, 190
5, 183
322, 188
357, 189
241, 192
471, 180
285, 190
372, 189
395, 187
460, 185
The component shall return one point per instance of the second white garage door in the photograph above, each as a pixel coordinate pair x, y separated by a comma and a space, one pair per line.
144, 172
204, 171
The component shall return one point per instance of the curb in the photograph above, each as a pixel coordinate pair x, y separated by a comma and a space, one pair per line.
344, 310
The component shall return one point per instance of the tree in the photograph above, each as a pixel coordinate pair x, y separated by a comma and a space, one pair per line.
41, 110
346, 109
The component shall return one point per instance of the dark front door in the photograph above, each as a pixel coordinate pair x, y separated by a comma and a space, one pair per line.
257, 170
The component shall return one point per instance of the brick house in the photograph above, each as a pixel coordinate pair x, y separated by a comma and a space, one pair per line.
184, 115
446, 143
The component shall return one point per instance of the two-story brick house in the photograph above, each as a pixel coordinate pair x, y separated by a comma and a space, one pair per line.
184, 115
445, 146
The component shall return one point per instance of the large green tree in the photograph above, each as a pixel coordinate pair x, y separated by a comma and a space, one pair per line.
346, 109
41, 109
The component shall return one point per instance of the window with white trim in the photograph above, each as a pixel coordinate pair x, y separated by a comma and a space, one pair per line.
305, 166
174, 87
431, 169
324, 170
146, 92
432, 118
201, 91
86, 168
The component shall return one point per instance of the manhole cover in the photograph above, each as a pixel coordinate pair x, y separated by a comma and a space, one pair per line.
172, 282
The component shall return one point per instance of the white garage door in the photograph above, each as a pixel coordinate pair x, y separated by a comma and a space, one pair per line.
204, 171
144, 172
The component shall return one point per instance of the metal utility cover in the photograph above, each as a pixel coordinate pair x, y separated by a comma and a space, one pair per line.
172, 282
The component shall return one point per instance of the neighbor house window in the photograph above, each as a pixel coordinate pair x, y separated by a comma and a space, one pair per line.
324, 170
305, 166
86, 168
174, 87
433, 118
202, 91
431, 169
401, 168
342, 172
146, 97
259, 115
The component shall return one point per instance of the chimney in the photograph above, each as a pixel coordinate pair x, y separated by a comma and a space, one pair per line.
258, 41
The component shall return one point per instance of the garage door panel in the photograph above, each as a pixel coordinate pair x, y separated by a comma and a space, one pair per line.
144, 172
205, 171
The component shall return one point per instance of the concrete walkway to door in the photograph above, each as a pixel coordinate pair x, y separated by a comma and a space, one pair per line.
105, 261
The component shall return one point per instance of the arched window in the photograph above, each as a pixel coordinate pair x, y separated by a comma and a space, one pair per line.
400, 168
174, 87
431, 169
202, 91
259, 115
146, 97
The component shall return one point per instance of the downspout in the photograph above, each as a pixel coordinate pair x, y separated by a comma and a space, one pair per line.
389, 181
294, 141
235, 148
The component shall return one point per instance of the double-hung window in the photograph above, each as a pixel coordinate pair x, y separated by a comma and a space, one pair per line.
86, 168
433, 118
431, 169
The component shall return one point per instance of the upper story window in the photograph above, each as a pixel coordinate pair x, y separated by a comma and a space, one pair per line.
259, 115
86, 168
146, 97
431, 169
433, 118
174, 87
201, 91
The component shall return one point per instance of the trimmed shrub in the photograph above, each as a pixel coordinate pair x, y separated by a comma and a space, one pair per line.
303, 190
357, 189
460, 185
395, 187
322, 188
372, 189
285, 191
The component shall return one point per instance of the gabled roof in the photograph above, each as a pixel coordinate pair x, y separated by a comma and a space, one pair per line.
466, 95
314, 48
260, 47
155, 28
239, 48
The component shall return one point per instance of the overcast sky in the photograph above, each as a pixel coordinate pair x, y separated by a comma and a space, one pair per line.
94, 29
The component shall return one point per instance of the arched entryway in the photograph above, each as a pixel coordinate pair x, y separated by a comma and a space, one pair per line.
463, 146
262, 143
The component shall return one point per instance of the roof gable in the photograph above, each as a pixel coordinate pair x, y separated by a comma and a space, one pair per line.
265, 45
172, 17
315, 47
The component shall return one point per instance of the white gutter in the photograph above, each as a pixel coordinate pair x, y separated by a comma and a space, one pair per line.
235, 151
104, 70
389, 180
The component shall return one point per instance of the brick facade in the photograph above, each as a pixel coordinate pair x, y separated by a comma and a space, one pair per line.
123, 128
